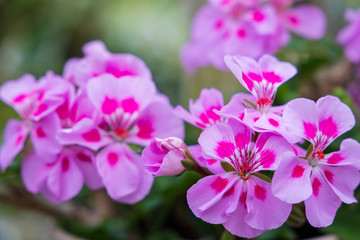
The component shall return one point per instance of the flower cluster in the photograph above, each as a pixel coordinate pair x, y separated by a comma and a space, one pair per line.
255, 169
249, 28
349, 36
84, 126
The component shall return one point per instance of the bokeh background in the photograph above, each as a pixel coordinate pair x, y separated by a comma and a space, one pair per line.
40, 35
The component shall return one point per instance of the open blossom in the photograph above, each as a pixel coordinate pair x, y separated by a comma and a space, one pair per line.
262, 79
349, 36
323, 181
61, 177
35, 102
238, 199
163, 156
202, 113
132, 112
98, 60
247, 28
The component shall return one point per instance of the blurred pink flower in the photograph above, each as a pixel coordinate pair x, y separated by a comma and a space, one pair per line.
349, 36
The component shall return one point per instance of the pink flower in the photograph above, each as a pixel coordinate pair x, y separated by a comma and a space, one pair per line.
349, 36
132, 112
61, 177
248, 28
323, 181
262, 79
202, 113
98, 60
35, 101
163, 157
238, 199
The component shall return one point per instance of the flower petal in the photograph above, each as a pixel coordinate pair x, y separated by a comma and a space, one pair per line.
321, 207
291, 181
15, 134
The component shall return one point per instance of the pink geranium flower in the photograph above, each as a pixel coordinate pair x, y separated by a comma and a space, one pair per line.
98, 60
238, 199
323, 181
349, 36
262, 79
132, 112
61, 177
35, 101
202, 113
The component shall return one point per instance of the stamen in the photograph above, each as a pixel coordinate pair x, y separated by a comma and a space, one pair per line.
121, 133
264, 101
319, 155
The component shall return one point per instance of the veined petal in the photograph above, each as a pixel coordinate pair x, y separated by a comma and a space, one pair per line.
156, 120
301, 118
291, 181
15, 134
236, 106
348, 155
274, 71
270, 148
213, 165
343, 180
335, 118
262, 204
321, 207
217, 141
211, 196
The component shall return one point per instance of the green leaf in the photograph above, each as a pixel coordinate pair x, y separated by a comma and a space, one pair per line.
226, 235
188, 164
227, 167
263, 177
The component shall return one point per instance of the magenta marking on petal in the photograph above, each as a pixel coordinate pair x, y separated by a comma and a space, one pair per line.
129, 105
254, 76
20, 98
293, 20
92, 136
272, 77
243, 197
310, 130
316, 186
274, 122
211, 161
329, 176
241, 141
255, 119
219, 184
328, 127
297, 172
260, 192
242, 116
258, 16
109, 105
267, 158
241, 33
83, 157
115, 70
145, 129
112, 158
218, 24
230, 192
249, 83
62, 111
40, 132
225, 149
65, 165
19, 140
42, 108
335, 158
